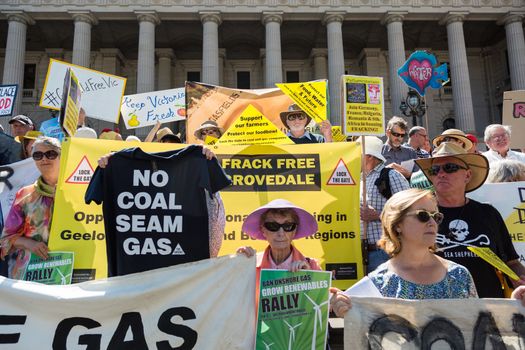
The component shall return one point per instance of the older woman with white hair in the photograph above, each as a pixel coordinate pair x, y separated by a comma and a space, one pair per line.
497, 138
508, 170
26, 229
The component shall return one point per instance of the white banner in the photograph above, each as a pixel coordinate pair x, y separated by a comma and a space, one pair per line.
13, 177
509, 199
151, 107
101, 92
208, 304
386, 323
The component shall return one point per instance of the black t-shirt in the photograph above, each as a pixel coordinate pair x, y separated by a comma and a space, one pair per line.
154, 207
479, 225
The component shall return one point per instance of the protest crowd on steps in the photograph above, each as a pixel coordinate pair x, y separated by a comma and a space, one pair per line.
416, 218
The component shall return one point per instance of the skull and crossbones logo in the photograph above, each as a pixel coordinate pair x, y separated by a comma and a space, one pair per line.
458, 229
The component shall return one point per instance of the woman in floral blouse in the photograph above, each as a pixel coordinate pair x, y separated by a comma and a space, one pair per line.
27, 225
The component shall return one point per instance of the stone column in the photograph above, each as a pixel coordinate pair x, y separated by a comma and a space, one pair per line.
166, 57
82, 39
336, 62
319, 57
15, 54
461, 93
516, 49
396, 58
274, 68
210, 47
146, 56
222, 57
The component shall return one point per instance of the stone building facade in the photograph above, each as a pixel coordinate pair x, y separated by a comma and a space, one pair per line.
158, 44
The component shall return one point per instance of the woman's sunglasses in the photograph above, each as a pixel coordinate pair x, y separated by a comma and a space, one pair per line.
424, 216
49, 155
299, 116
208, 132
275, 226
449, 168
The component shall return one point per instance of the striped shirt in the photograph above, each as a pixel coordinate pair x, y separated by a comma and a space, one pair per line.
376, 199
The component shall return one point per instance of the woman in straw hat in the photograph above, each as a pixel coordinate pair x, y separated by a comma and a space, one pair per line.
208, 128
280, 222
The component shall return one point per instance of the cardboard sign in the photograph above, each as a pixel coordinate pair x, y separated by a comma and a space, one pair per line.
337, 134
56, 269
101, 92
311, 97
146, 109
363, 105
70, 107
514, 115
293, 309
253, 128
7, 99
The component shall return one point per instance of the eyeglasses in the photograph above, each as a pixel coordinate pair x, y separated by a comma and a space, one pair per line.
275, 226
49, 155
448, 168
299, 116
500, 136
208, 132
424, 216
395, 134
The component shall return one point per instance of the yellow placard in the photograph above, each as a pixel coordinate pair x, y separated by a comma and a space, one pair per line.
489, 256
363, 105
253, 128
310, 176
210, 140
311, 97
72, 105
337, 134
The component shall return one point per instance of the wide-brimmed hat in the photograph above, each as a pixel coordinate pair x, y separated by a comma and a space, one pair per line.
163, 132
477, 163
373, 147
455, 133
307, 224
293, 109
30, 135
86, 132
21, 119
208, 124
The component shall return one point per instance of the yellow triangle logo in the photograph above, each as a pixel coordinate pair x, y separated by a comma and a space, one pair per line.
311, 97
253, 128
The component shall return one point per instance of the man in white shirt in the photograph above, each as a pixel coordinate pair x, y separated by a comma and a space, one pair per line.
497, 138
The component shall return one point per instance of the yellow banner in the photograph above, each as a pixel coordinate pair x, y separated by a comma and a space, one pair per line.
364, 105
323, 179
310, 96
491, 257
253, 128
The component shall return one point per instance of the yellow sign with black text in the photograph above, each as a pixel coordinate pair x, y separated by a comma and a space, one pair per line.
260, 173
311, 97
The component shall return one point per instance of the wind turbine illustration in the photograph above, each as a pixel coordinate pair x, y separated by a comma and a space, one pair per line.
292, 333
267, 346
63, 278
319, 316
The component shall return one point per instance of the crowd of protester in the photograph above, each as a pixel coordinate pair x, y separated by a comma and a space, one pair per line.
413, 205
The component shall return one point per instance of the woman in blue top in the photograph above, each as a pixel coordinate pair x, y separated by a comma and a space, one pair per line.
410, 221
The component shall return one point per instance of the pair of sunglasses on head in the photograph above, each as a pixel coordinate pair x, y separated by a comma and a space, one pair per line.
51, 154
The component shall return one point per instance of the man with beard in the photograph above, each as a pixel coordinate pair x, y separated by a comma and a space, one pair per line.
497, 138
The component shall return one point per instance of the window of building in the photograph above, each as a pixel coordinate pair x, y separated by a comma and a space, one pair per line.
29, 76
243, 80
449, 123
193, 76
449, 75
292, 76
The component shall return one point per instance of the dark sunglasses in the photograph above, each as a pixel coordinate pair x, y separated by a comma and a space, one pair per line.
208, 132
49, 155
424, 216
275, 226
451, 139
395, 134
449, 168
299, 116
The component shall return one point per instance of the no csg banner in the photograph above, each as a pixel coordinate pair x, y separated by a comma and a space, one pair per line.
386, 323
321, 178
171, 308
